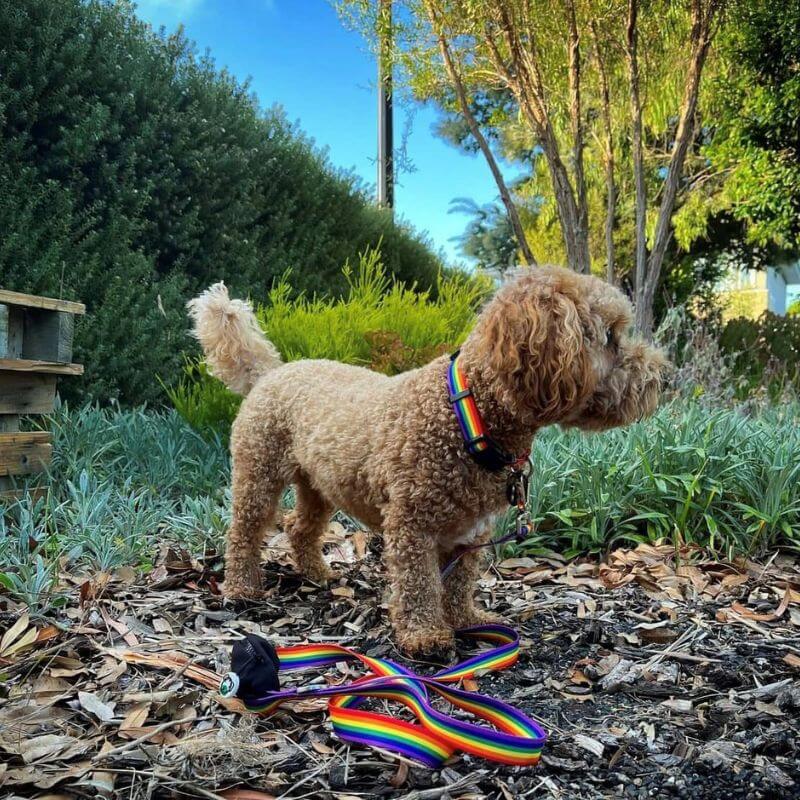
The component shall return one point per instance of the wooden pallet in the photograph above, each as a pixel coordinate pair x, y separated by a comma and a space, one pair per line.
36, 335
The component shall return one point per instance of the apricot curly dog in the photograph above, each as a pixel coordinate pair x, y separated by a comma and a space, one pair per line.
551, 347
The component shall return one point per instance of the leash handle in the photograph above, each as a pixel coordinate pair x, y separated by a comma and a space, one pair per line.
514, 738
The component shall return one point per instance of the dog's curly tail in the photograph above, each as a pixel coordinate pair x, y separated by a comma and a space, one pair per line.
236, 350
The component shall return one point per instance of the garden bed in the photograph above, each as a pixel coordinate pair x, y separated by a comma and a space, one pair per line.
654, 680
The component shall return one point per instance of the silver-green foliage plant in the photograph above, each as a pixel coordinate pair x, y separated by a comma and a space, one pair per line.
125, 483
691, 474
121, 483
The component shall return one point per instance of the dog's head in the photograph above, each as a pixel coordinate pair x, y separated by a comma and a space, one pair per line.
555, 347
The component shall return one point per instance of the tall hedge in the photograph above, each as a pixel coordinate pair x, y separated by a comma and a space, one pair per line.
133, 173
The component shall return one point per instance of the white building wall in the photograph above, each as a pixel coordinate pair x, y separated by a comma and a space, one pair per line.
776, 291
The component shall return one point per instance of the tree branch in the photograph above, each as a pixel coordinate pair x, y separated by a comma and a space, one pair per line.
576, 121
524, 79
466, 111
609, 161
702, 32
608, 153
631, 48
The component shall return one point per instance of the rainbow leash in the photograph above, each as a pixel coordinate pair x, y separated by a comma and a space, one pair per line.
510, 738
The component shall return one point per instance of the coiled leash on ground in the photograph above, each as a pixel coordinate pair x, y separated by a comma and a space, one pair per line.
514, 738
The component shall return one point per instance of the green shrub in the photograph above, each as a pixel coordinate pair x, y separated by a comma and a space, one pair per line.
134, 172
715, 477
764, 352
203, 401
379, 323
125, 483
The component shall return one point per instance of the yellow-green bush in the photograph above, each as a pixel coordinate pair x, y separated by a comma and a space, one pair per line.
379, 323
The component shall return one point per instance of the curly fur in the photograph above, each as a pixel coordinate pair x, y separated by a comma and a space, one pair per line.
550, 347
234, 345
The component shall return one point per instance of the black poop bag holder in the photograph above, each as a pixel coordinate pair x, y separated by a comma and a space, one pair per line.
254, 670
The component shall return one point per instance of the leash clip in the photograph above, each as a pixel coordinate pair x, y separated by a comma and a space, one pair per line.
517, 488
523, 524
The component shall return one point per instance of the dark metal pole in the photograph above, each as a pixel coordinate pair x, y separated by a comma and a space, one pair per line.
385, 121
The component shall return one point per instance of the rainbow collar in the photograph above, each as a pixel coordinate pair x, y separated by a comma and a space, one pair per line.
477, 442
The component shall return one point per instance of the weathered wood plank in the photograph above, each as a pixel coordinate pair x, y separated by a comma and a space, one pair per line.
27, 393
9, 423
11, 333
24, 453
32, 301
24, 437
47, 335
3, 330
50, 367
7, 494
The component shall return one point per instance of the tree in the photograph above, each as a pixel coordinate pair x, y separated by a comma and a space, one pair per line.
134, 173
753, 147
704, 19
489, 238
560, 61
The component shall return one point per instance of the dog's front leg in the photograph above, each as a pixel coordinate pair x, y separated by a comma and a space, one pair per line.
415, 605
458, 601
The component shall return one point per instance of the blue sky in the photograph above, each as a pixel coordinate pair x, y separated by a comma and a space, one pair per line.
299, 55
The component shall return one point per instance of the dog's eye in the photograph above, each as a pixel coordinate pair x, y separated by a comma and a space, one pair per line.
609, 337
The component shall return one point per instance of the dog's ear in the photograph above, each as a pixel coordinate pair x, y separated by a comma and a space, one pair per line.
532, 344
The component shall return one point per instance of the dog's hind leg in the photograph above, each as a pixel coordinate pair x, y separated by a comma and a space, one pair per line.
305, 526
257, 486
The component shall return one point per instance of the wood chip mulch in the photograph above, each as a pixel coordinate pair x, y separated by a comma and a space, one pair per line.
657, 673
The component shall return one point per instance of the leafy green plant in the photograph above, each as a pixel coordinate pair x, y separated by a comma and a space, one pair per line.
124, 483
716, 477
764, 352
203, 401
379, 323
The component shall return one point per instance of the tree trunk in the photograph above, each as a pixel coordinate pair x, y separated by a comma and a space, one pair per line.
701, 36
576, 123
640, 223
609, 160
505, 195
525, 82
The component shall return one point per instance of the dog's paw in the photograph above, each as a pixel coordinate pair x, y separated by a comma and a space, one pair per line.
437, 645
317, 572
233, 590
471, 616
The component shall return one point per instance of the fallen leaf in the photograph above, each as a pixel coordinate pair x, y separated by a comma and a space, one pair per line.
401, 776
51, 746
792, 660
17, 637
517, 563
136, 717
678, 705
742, 611
94, 705
587, 743
729, 581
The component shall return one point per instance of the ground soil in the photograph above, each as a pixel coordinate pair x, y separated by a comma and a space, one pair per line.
657, 674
